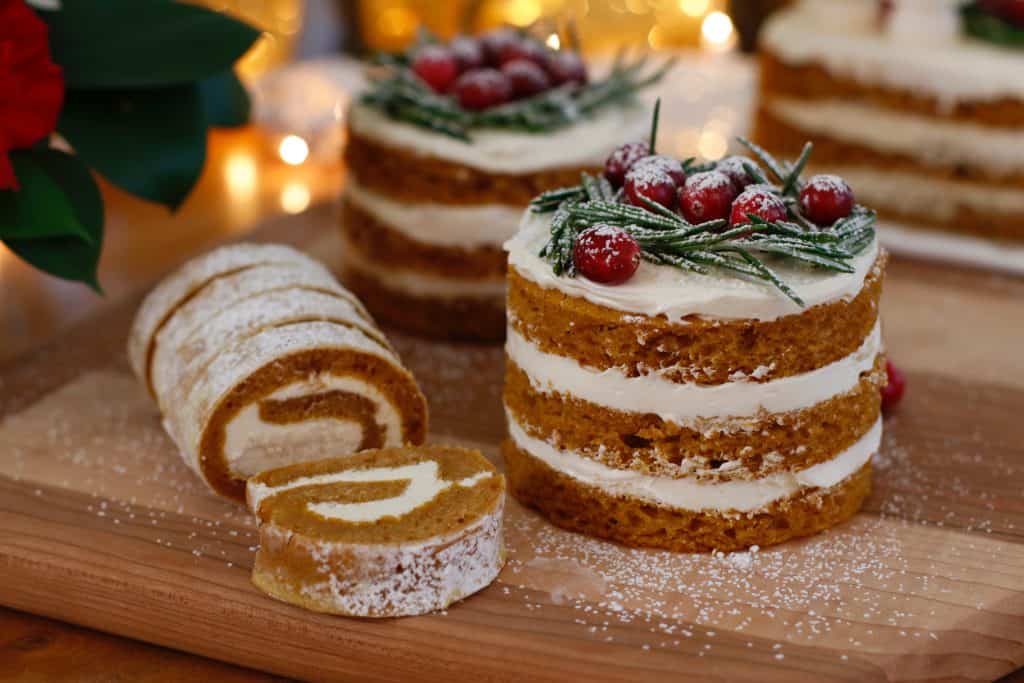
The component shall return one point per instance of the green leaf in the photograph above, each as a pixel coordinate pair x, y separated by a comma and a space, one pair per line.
62, 212
151, 143
225, 100
143, 43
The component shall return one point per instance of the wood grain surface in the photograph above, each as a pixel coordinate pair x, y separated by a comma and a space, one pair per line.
102, 525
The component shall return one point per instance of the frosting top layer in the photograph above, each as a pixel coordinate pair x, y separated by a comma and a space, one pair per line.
950, 67
665, 290
586, 143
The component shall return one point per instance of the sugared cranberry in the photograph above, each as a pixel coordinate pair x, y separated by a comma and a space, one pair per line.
566, 66
468, 51
526, 77
482, 88
529, 50
606, 254
892, 392
437, 66
733, 167
760, 202
649, 183
665, 164
706, 196
622, 159
825, 199
493, 42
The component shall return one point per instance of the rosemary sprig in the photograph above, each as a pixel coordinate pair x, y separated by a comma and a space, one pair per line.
403, 96
667, 239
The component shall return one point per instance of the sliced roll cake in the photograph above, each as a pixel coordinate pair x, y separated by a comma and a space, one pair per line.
694, 360
386, 533
258, 358
443, 156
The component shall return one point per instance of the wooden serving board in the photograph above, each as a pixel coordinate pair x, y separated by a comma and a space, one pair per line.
101, 524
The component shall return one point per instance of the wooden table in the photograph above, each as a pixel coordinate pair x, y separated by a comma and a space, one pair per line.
933, 317
242, 184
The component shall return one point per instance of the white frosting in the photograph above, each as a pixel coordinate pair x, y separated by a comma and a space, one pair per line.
967, 250
586, 143
251, 445
689, 403
928, 140
937, 199
423, 486
421, 283
445, 225
946, 66
690, 494
664, 290
917, 22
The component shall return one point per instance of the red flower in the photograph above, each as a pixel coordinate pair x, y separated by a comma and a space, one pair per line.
31, 85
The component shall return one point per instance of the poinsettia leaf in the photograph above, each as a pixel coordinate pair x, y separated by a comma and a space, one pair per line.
143, 43
151, 143
64, 257
80, 188
40, 209
225, 100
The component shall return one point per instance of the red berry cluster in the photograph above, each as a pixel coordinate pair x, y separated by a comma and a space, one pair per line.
725, 192
498, 67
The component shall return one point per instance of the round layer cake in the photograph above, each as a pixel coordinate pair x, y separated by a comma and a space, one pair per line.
386, 533
693, 407
432, 197
917, 107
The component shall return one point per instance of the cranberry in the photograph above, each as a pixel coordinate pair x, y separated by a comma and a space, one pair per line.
650, 183
622, 159
734, 168
606, 254
468, 51
664, 164
760, 202
524, 49
892, 392
566, 66
482, 88
526, 77
437, 66
493, 42
706, 196
825, 199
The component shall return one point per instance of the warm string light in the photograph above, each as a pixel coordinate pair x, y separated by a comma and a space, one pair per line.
293, 150
717, 31
295, 197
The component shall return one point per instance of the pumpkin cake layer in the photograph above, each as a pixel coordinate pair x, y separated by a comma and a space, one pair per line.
577, 506
384, 533
691, 411
713, 449
257, 364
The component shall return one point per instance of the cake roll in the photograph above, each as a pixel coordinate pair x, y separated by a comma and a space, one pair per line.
258, 358
386, 533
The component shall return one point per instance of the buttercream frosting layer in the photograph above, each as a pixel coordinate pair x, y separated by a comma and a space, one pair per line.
664, 290
689, 494
585, 143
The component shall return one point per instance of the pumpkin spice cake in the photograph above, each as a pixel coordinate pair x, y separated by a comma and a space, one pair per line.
445, 149
258, 358
919, 105
385, 533
694, 352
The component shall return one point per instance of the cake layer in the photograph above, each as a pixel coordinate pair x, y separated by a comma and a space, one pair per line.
947, 146
716, 448
574, 504
812, 81
463, 227
948, 70
478, 315
678, 295
698, 350
922, 242
380, 243
384, 533
497, 152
